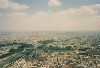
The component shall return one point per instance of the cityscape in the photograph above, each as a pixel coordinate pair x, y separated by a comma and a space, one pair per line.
49, 33
50, 49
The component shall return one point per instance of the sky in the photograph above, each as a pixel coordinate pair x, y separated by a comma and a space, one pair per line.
49, 15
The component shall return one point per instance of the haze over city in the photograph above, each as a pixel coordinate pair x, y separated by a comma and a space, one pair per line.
49, 33
49, 15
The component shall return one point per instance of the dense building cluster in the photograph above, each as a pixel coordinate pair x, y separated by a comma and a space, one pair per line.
50, 50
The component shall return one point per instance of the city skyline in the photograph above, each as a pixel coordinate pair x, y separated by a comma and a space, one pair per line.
49, 15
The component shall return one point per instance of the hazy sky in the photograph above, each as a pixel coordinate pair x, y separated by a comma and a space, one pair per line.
53, 15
